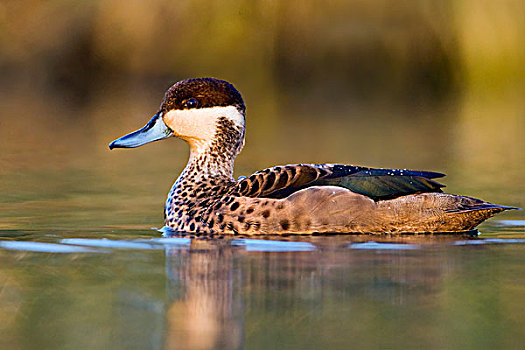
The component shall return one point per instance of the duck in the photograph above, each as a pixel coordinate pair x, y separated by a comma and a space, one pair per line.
209, 114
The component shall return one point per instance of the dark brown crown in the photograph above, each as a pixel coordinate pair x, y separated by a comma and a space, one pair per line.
208, 92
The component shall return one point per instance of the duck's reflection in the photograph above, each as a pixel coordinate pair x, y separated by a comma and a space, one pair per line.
205, 309
212, 285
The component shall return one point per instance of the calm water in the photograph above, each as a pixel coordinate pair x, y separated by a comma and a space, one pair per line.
131, 289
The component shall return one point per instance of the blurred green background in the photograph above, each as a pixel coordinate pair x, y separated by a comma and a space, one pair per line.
436, 85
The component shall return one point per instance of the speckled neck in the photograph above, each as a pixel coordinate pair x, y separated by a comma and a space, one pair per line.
215, 158
206, 162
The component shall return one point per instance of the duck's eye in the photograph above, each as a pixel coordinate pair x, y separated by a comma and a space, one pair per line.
191, 103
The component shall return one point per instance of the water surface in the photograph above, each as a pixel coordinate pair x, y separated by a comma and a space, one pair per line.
137, 290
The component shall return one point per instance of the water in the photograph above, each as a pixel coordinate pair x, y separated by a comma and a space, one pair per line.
329, 291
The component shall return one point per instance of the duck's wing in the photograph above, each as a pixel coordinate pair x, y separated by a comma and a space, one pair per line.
378, 184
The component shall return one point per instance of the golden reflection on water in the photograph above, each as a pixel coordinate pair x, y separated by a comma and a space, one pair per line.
490, 142
209, 313
212, 294
217, 294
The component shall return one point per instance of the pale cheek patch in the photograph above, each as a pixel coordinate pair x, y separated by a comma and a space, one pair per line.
184, 124
200, 123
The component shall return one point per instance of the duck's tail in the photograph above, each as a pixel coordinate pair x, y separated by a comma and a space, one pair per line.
470, 217
443, 212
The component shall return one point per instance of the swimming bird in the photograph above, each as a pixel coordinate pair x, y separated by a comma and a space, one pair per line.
209, 114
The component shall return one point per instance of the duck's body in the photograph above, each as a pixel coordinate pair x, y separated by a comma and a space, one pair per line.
302, 198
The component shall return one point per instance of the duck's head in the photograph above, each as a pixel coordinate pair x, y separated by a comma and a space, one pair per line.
203, 112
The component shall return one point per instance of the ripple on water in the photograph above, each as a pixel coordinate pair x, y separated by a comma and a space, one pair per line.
509, 223
146, 244
85, 245
261, 245
42, 247
491, 241
383, 246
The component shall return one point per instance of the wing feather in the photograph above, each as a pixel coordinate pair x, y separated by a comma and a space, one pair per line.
378, 184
